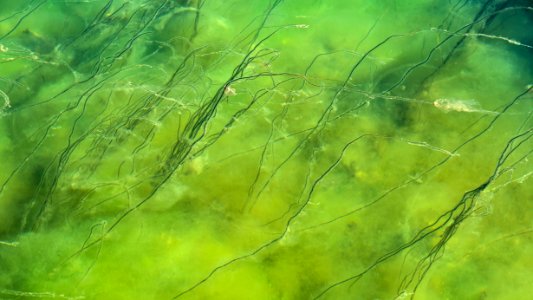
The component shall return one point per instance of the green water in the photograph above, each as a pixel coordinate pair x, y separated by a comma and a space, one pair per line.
296, 149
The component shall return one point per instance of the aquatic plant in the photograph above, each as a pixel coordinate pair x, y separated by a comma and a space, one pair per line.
265, 149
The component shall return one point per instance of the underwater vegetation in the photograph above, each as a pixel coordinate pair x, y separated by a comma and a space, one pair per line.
269, 149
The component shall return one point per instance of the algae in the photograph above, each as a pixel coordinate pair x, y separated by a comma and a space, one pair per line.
203, 149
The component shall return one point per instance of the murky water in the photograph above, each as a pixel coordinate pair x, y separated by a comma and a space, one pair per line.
347, 149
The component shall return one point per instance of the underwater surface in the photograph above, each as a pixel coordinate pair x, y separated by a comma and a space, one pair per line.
282, 149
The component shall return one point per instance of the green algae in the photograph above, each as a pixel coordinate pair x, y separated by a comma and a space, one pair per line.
265, 149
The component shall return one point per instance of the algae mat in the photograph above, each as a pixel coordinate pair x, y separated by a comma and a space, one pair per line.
296, 149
